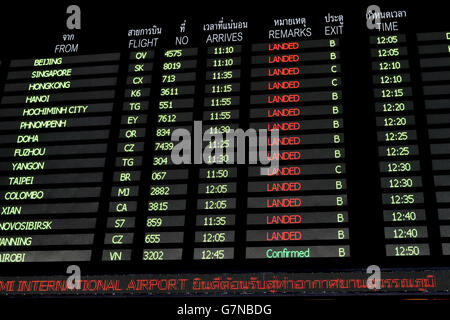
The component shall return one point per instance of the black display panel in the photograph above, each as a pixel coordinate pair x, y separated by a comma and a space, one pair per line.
153, 152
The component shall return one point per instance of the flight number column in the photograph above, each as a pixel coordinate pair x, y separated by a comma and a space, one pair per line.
168, 192
123, 207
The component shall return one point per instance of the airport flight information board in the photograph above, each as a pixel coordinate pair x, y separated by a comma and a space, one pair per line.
119, 167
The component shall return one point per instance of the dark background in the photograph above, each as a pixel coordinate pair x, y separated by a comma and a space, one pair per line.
32, 30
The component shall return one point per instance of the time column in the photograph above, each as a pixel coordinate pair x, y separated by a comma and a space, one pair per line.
123, 206
404, 214
217, 188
